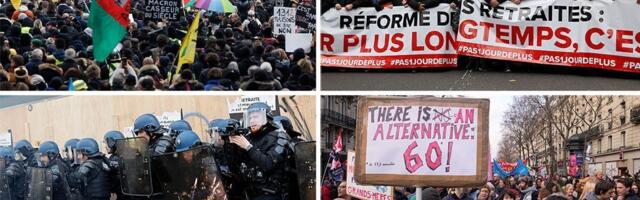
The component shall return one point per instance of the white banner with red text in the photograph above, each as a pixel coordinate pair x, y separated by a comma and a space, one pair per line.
579, 33
396, 37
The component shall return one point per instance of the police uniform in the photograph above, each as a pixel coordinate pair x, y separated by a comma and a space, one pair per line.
266, 163
16, 174
92, 179
59, 169
161, 145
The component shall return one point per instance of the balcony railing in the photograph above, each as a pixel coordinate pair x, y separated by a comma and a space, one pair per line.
331, 116
594, 132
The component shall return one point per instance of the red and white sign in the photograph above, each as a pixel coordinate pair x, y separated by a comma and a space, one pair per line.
594, 34
396, 37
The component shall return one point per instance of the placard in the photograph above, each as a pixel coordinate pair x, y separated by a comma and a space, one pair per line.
422, 141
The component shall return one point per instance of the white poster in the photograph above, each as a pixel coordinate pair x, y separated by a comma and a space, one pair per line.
421, 140
611, 169
284, 20
166, 118
241, 104
5, 139
300, 40
364, 191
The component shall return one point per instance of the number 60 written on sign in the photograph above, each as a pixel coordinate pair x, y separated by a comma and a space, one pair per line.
413, 162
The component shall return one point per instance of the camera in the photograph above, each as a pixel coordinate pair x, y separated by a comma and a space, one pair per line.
233, 128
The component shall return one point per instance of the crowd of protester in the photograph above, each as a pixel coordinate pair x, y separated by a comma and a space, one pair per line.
47, 46
597, 187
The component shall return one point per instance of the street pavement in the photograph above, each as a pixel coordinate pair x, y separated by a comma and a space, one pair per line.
553, 78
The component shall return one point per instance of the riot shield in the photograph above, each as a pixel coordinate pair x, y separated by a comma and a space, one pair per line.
5, 190
305, 156
40, 184
135, 167
191, 174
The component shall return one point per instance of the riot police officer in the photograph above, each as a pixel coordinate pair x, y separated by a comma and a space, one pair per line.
285, 124
17, 171
50, 158
92, 176
113, 160
227, 155
6, 157
26, 153
176, 127
148, 127
186, 140
69, 151
266, 152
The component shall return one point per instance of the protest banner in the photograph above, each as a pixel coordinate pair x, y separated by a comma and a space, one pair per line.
422, 141
392, 38
303, 40
162, 9
306, 17
594, 34
364, 191
284, 20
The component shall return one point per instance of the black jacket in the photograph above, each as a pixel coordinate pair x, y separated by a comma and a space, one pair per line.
161, 145
267, 161
92, 179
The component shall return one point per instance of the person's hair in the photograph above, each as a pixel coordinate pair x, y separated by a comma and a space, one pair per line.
484, 187
307, 67
543, 193
281, 54
146, 83
627, 182
588, 184
602, 187
22, 86
557, 197
18, 60
214, 73
566, 187
511, 193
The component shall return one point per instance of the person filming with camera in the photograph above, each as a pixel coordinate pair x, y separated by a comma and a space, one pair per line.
265, 154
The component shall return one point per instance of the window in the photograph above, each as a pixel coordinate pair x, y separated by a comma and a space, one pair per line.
610, 118
610, 143
623, 117
623, 136
599, 145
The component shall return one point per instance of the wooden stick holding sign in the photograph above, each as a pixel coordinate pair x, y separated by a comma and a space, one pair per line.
422, 141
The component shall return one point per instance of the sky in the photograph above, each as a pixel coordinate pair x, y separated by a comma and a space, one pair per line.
497, 108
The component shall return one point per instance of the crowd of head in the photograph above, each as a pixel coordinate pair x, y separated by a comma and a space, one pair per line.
47, 45
597, 187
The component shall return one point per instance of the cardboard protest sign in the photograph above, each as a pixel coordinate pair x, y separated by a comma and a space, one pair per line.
284, 20
162, 9
391, 38
594, 34
237, 107
306, 17
422, 141
166, 118
364, 191
6, 139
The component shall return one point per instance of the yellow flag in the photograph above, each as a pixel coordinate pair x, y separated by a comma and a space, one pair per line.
16, 4
187, 53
